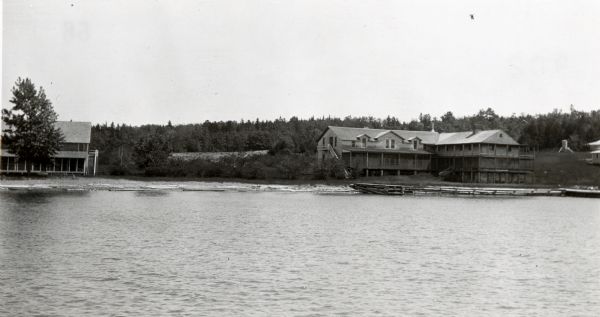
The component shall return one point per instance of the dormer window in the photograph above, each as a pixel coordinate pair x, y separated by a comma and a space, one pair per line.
415, 144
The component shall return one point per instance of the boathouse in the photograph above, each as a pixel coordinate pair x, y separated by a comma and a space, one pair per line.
73, 158
489, 156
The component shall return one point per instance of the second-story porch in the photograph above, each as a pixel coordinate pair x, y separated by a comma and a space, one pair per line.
386, 159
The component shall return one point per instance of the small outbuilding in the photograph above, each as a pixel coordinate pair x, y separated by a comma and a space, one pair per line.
595, 151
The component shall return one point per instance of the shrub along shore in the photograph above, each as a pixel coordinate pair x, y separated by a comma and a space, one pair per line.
288, 166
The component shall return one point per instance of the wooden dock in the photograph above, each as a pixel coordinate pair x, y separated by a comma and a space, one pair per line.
396, 189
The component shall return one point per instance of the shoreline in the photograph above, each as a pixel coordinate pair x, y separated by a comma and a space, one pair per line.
163, 184
113, 183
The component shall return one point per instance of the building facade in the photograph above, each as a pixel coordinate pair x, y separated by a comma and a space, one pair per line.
73, 158
595, 152
489, 156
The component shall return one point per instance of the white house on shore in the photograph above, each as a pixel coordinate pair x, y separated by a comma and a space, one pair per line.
595, 151
73, 158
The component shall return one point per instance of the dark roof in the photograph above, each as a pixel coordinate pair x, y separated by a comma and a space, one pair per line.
74, 131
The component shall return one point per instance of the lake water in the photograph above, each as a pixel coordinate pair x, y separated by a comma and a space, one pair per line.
157, 253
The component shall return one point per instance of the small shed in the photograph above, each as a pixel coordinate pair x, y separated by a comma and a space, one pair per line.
596, 157
595, 151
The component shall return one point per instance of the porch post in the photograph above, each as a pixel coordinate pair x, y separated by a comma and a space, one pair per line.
367, 169
415, 165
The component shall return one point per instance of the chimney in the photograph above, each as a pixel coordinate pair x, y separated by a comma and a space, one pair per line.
475, 131
432, 126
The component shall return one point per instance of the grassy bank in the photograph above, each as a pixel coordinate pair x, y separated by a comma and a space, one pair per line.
552, 168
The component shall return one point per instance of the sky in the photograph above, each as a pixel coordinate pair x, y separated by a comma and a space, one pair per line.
140, 62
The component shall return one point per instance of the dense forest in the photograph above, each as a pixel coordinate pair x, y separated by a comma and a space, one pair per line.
124, 148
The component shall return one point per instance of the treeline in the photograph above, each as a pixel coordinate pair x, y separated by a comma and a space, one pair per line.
124, 148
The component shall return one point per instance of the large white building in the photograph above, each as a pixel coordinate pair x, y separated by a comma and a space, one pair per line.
73, 158
489, 156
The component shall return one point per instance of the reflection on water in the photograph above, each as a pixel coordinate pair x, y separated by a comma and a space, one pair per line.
25, 198
151, 193
156, 253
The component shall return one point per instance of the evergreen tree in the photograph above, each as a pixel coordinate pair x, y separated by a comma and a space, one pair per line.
29, 130
152, 150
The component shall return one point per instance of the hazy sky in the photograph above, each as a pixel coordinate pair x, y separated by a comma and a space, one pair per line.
189, 61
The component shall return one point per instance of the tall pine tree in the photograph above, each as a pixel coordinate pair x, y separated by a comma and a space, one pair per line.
29, 130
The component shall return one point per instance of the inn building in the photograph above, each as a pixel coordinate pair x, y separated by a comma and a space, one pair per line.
489, 156
73, 158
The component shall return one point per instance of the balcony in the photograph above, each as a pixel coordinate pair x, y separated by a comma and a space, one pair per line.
387, 161
502, 154
373, 149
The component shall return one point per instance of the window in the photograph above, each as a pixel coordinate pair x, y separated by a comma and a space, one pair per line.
364, 142
500, 135
323, 140
415, 144
330, 140
393, 144
335, 141
387, 143
353, 143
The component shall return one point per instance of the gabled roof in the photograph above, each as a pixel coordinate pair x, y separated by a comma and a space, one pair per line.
345, 133
428, 137
486, 136
380, 134
594, 143
75, 132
